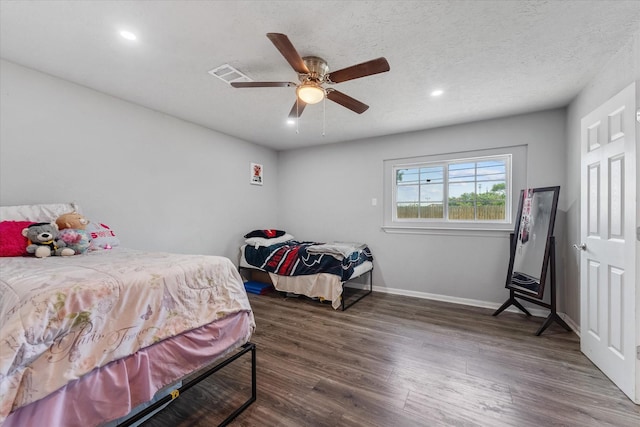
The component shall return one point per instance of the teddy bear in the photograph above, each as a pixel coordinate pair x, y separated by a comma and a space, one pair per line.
72, 230
44, 242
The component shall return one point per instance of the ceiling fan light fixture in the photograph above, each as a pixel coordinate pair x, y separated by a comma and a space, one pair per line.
128, 35
310, 93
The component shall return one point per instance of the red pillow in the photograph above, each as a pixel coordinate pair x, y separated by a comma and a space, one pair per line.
266, 234
12, 242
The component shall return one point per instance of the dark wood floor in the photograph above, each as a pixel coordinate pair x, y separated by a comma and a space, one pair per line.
400, 361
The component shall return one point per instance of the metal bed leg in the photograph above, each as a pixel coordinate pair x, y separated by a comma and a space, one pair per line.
361, 296
245, 405
248, 347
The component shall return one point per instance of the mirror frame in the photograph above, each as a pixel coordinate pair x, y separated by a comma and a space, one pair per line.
514, 244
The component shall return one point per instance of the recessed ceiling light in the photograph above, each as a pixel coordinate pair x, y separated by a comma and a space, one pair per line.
437, 92
291, 121
128, 35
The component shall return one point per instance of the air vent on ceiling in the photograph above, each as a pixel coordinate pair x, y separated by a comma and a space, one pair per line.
229, 74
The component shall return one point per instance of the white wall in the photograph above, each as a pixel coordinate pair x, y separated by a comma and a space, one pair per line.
161, 183
617, 74
325, 194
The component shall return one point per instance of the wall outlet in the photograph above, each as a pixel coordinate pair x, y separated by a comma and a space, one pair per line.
374, 202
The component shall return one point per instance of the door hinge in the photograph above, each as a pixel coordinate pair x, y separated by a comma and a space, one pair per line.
638, 352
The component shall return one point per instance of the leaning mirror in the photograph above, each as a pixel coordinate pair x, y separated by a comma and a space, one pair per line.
533, 254
531, 244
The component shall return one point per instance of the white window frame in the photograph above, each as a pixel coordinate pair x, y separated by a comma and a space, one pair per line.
515, 181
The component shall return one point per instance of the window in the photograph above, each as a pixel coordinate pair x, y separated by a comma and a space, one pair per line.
457, 190
419, 192
465, 190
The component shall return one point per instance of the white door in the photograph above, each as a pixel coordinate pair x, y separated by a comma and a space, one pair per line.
607, 229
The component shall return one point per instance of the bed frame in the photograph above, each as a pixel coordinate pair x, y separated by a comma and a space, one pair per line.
248, 347
367, 290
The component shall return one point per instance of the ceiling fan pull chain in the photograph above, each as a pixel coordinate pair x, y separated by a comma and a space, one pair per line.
324, 110
297, 116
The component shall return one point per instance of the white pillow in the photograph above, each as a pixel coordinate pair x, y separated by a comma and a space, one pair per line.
37, 213
261, 241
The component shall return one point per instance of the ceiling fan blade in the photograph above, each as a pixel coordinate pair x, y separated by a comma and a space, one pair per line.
262, 84
297, 109
375, 66
289, 52
347, 101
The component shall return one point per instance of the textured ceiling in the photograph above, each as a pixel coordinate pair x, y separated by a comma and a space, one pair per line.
492, 58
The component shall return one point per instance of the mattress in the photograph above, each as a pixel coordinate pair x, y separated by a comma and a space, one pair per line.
64, 317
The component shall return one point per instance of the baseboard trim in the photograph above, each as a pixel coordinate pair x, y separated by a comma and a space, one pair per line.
537, 312
575, 327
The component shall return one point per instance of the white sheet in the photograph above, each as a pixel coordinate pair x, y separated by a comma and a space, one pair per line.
339, 250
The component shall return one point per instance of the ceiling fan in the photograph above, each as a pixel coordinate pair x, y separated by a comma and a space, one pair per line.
313, 72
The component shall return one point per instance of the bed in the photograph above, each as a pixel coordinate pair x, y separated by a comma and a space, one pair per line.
85, 339
313, 269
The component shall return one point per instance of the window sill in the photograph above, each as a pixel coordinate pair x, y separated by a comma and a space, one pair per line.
447, 231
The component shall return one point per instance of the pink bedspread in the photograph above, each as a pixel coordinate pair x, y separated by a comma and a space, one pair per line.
112, 391
62, 317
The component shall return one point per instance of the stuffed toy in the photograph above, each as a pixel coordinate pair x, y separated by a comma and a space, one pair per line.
102, 237
72, 230
44, 242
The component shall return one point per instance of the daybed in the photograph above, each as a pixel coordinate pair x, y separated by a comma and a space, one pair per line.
313, 269
87, 338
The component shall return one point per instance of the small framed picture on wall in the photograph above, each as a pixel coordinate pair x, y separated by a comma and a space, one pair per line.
257, 172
